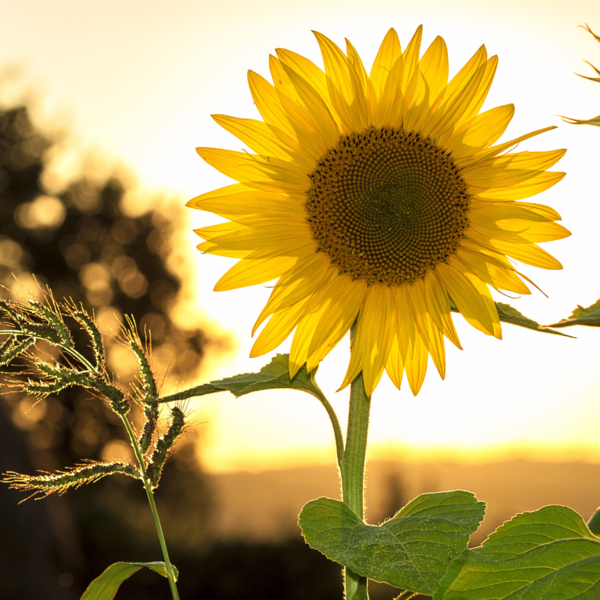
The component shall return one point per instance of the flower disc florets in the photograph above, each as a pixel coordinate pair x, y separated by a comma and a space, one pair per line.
386, 206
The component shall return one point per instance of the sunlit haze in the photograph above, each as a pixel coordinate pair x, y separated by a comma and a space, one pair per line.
136, 83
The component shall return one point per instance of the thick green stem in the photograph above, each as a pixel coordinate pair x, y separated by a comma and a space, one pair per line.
150, 494
353, 472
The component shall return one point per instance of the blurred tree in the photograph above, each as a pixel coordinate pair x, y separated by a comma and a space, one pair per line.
84, 246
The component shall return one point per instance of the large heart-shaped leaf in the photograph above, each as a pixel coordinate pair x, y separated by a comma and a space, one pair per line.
410, 551
549, 554
106, 585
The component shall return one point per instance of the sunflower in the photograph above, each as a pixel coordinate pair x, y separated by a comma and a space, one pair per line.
378, 197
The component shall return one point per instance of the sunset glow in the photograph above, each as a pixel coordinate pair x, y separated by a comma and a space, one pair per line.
137, 89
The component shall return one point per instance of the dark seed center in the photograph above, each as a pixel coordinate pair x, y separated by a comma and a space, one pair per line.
387, 206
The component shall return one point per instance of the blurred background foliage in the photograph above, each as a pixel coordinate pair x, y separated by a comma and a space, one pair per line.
84, 244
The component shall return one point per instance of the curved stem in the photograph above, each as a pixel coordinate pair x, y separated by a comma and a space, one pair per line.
150, 494
72, 351
337, 430
353, 471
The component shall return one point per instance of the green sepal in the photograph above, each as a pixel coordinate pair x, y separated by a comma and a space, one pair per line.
595, 121
106, 586
542, 555
589, 316
273, 376
410, 551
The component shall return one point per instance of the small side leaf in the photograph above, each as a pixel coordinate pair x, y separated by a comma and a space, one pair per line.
106, 586
411, 551
589, 316
275, 375
508, 314
547, 554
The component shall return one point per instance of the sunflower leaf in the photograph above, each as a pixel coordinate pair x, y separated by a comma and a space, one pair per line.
589, 316
594, 522
274, 375
410, 551
508, 314
106, 585
546, 554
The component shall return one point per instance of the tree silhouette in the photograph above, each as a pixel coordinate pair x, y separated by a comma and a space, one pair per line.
83, 245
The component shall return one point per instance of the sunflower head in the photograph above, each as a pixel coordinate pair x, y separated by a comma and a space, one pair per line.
380, 197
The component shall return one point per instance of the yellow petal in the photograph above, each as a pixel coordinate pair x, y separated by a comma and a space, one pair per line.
405, 322
390, 105
467, 298
487, 212
336, 319
500, 148
479, 97
266, 140
438, 304
492, 272
308, 71
445, 118
411, 56
415, 364
213, 231
434, 67
416, 103
317, 108
237, 200
281, 111
281, 80
490, 305
535, 185
430, 334
480, 132
510, 169
376, 326
529, 254
279, 327
354, 366
395, 366
307, 277
252, 272
459, 81
263, 265
389, 52
253, 238
256, 171
343, 83
367, 85
317, 306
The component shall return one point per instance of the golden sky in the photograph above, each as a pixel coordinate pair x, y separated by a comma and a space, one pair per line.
138, 81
